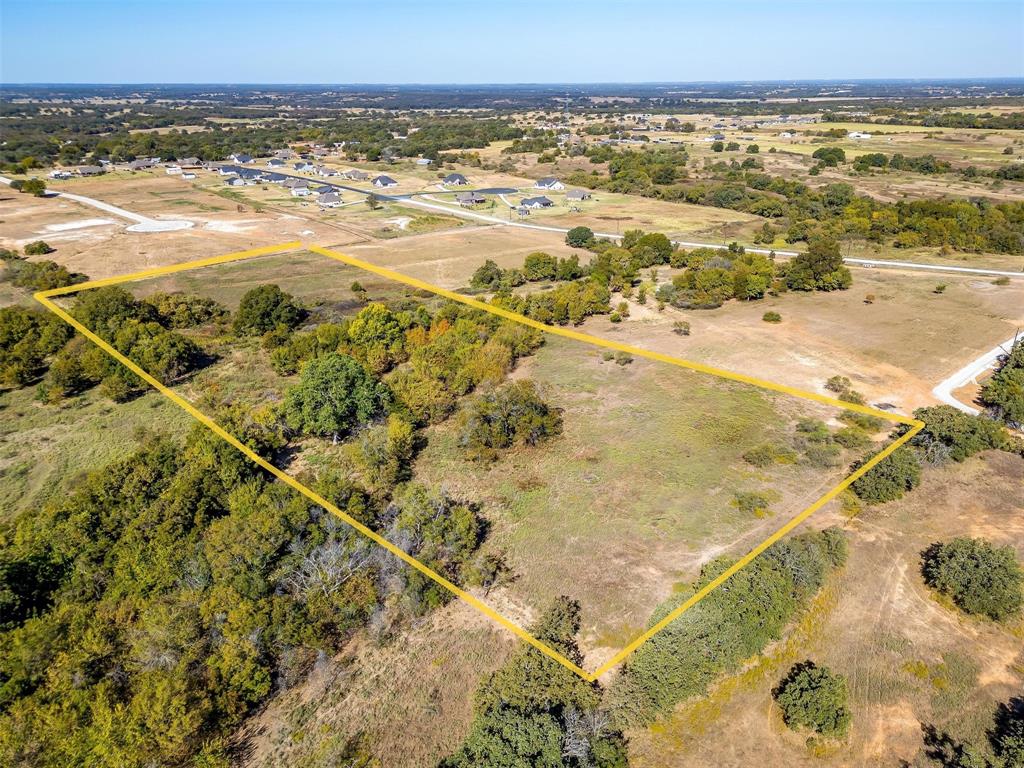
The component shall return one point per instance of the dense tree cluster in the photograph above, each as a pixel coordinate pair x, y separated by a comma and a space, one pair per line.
1003, 394
949, 433
977, 577
38, 275
267, 308
533, 711
28, 338
835, 210
725, 628
889, 479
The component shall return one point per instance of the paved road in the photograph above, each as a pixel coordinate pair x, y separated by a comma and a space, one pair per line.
969, 373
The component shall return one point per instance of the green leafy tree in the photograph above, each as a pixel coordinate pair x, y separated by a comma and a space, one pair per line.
820, 268
888, 480
814, 697
540, 266
978, 577
510, 415
950, 433
335, 394
266, 308
488, 276
579, 237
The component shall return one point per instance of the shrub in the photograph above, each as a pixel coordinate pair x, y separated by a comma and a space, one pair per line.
681, 328
38, 248
772, 317
814, 697
979, 578
888, 480
511, 415
623, 358
765, 455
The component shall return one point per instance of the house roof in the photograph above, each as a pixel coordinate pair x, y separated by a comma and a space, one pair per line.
455, 178
536, 201
577, 194
547, 181
329, 197
384, 180
242, 157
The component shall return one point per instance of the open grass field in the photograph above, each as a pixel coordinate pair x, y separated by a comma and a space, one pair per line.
44, 448
637, 493
910, 658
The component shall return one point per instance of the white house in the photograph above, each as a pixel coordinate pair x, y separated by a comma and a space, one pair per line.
188, 175
455, 180
275, 162
549, 182
858, 135
578, 194
300, 191
536, 202
384, 181
58, 174
173, 170
235, 181
323, 170
328, 200
787, 135
240, 157
423, 161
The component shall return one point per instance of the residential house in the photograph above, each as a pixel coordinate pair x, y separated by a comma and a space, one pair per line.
173, 170
536, 202
323, 170
300, 191
275, 162
188, 175
284, 154
275, 178
228, 170
356, 175
858, 135
455, 180
90, 170
190, 162
60, 174
142, 164
290, 183
787, 135
423, 161
576, 195
467, 199
235, 181
328, 200
549, 182
384, 181
240, 157
304, 166
249, 175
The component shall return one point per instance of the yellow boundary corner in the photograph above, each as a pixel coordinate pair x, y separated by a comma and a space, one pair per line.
44, 298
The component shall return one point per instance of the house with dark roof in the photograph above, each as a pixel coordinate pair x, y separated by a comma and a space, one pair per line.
142, 164
275, 178
548, 182
455, 180
240, 157
290, 183
536, 202
304, 166
384, 181
275, 162
235, 181
328, 200
466, 199
228, 170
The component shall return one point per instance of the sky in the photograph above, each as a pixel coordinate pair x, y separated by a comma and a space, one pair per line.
516, 41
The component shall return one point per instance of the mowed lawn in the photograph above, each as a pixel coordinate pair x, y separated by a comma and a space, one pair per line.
638, 491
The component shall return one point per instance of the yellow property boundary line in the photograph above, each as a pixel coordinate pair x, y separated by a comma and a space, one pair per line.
44, 298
